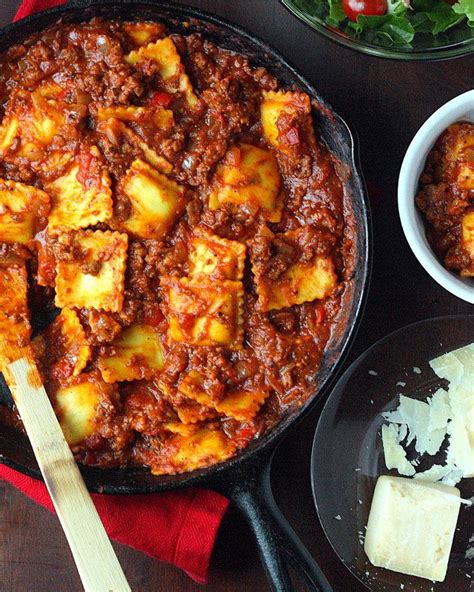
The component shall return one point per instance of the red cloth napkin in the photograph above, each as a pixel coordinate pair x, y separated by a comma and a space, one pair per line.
30, 6
179, 527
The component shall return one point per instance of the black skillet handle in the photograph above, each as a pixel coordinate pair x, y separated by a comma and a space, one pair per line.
279, 547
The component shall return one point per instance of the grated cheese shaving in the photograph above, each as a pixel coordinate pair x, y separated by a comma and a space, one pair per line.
435, 473
418, 416
447, 413
395, 455
470, 549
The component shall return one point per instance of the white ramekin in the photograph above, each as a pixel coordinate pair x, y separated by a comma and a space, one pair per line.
461, 108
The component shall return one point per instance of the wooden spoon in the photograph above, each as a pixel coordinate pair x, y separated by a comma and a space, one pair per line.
93, 553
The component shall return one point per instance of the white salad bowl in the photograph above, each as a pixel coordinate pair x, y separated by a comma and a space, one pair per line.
461, 108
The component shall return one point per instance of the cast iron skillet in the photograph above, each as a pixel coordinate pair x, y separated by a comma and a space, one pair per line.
245, 478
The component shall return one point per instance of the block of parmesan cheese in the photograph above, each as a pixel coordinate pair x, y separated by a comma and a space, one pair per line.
411, 526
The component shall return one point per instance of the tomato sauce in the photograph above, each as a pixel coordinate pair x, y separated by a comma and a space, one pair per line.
150, 421
446, 198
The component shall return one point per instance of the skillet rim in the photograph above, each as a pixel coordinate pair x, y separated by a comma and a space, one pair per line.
263, 447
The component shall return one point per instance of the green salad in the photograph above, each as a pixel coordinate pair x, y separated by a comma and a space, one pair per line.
391, 22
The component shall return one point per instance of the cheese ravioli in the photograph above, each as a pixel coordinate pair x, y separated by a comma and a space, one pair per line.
15, 328
205, 447
248, 176
21, 207
156, 201
163, 52
94, 278
302, 280
216, 257
80, 199
203, 312
76, 405
137, 353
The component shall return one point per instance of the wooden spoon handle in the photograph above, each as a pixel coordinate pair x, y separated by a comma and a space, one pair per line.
93, 553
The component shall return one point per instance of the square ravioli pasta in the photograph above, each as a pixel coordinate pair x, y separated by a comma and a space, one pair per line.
35, 121
15, 328
22, 207
168, 62
63, 344
248, 177
203, 312
171, 210
94, 275
214, 257
155, 201
82, 196
136, 353
241, 405
293, 274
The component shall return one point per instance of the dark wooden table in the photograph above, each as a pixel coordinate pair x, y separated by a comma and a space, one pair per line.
385, 102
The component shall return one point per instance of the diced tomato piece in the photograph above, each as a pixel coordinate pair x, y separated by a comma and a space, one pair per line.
62, 369
63, 94
216, 117
292, 136
95, 442
320, 315
153, 316
46, 266
89, 458
234, 157
161, 99
244, 434
85, 164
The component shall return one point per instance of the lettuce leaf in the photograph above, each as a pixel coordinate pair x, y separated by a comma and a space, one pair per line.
336, 12
443, 17
396, 7
465, 7
400, 24
388, 29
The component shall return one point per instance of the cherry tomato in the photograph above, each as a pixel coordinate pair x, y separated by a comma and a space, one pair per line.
353, 8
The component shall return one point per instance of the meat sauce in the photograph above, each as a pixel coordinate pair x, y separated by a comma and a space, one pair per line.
195, 240
445, 196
